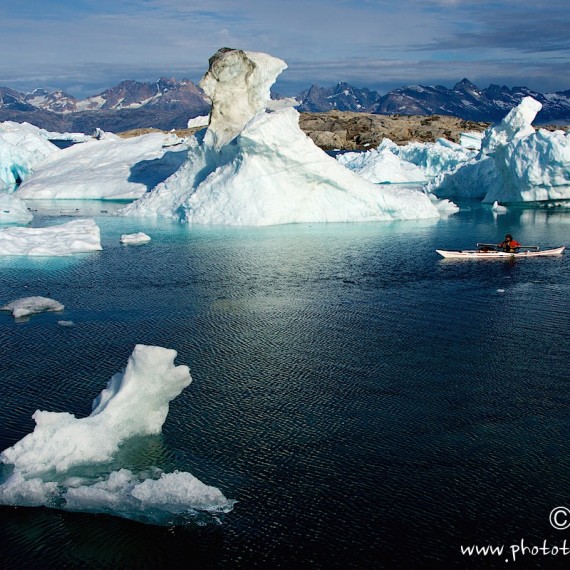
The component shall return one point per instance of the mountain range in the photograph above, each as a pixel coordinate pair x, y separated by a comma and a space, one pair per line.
168, 104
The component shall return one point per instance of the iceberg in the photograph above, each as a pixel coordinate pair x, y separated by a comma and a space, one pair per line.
13, 210
516, 163
69, 463
136, 238
77, 236
27, 306
111, 168
22, 149
253, 167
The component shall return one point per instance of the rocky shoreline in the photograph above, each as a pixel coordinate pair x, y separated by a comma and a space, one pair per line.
361, 131
344, 130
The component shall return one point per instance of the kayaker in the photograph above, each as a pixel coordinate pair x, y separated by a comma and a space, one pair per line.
509, 244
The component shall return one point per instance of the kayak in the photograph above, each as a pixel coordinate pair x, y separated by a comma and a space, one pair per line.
478, 254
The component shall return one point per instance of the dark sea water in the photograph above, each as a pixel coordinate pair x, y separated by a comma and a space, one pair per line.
367, 403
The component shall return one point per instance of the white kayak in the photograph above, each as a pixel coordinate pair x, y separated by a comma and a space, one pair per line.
479, 254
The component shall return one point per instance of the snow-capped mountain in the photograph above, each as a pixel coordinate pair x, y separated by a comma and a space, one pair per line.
164, 104
341, 97
467, 101
168, 104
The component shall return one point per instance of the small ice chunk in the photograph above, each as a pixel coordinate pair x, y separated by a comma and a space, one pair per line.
498, 208
136, 238
30, 305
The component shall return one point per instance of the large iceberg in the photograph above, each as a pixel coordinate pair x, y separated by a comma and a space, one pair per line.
108, 169
516, 163
22, 148
252, 167
76, 236
70, 463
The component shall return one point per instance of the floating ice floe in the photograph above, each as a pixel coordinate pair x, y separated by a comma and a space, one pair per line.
108, 169
31, 305
13, 210
77, 236
70, 463
22, 148
136, 238
251, 167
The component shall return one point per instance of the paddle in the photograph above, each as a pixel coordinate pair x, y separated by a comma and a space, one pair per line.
495, 246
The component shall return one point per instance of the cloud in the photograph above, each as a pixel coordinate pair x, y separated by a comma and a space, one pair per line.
93, 44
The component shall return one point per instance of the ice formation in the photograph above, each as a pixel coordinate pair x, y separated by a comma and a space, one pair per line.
13, 210
31, 305
382, 166
77, 236
251, 167
238, 84
66, 461
516, 163
22, 148
135, 238
108, 169
413, 162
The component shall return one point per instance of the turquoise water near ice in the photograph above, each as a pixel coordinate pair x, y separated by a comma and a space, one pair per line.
367, 403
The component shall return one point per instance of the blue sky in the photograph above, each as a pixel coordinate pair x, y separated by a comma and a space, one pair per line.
86, 46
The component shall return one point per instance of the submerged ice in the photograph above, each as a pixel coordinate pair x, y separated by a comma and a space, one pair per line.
65, 462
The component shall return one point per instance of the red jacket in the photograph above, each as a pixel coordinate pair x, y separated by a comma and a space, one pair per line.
510, 245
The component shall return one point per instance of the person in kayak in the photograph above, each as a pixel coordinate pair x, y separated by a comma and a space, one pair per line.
509, 244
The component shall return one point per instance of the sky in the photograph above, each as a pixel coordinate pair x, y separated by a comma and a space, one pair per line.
86, 46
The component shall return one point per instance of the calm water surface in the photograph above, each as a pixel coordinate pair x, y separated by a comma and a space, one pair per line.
368, 404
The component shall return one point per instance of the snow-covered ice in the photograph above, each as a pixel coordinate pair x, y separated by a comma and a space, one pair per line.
471, 140
13, 210
251, 167
382, 166
76, 236
66, 461
201, 121
106, 169
136, 238
412, 162
31, 305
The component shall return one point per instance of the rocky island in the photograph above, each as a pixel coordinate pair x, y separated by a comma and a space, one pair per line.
344, 130
349, 130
